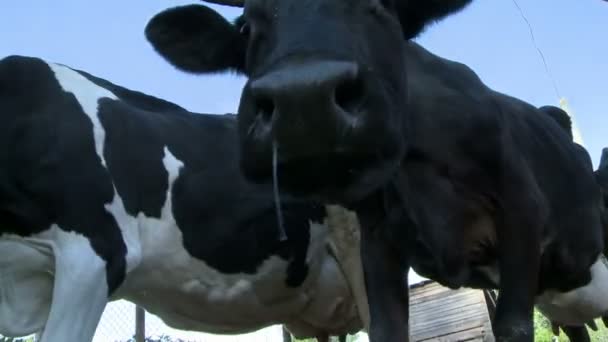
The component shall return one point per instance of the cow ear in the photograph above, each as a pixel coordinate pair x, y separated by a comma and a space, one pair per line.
416, 15
604, 159
197, 39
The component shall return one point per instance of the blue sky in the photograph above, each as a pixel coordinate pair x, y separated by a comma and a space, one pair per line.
106, 38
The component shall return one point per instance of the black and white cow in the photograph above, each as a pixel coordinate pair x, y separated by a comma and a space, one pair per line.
466, 185
602, 174
566, 311
108, 193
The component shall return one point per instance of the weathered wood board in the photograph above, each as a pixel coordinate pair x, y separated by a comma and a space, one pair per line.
438, 313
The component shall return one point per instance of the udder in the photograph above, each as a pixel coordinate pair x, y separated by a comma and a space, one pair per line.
332, 309
580, 305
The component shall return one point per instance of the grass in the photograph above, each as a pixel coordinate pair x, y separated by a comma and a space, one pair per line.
542, 330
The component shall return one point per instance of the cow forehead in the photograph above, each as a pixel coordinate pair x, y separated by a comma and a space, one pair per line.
293, 3
305, 8
604, 158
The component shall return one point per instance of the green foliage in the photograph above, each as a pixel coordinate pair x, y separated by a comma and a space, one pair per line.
16, 339
601, 334
542, 328
543, 333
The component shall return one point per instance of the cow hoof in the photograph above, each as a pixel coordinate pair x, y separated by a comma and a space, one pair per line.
509, 331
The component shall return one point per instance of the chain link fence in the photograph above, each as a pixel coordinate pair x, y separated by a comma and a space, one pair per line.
119, 323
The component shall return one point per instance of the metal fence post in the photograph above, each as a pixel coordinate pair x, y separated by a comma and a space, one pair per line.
140, 324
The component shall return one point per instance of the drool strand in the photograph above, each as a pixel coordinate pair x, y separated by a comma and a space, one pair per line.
277, 198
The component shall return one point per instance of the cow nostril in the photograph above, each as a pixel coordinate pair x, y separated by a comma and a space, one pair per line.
265, 108
349, 95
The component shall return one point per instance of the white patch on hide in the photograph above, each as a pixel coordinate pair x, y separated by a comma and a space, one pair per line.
189, 294
88, 95
129, 227
579, 305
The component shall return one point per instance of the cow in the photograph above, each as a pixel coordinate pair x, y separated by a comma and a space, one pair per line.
107, 193
564, 121
602, 174
197, 39
579, 332
466, 185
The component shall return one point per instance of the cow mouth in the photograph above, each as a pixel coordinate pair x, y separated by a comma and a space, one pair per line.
332, 177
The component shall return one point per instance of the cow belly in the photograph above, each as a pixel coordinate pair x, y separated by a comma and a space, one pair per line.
225, 305
580, 305
200, 299
188, 294
26, 285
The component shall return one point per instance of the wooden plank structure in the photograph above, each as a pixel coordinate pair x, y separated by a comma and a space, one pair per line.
438, 313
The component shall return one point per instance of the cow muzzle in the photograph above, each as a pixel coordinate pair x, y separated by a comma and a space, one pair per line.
303, 106
315, 116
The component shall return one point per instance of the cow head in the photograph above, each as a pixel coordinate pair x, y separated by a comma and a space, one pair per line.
326, 92
601, 176
604, 160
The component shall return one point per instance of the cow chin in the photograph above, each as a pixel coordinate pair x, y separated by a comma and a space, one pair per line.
336, 182
331, 178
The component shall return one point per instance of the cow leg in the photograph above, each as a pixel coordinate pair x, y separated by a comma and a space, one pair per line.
323, 338
286, 335
26, 282
387, 289
576, 333
555, 328
345, 243
80, 290
522, 217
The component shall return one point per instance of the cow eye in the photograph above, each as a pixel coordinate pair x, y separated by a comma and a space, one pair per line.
245, 29
386, 4
378, 6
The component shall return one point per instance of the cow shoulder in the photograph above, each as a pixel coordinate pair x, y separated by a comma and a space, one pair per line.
28, 92
55, 172
133, 98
